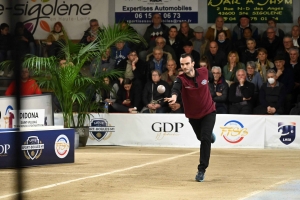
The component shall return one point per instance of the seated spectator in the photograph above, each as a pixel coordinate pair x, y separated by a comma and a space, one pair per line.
105, 64
157, 61
128, 98
134, 69
284, 51
185, 32
189, 49
263, 64
250, 54
155, 29
119, 52
272, 95
238, 30
241, 45
28, 86
154, 101
56, 35
6, 43
286, 77
174, 42
170, 75
125, 26
215, 56
241, 94
200, 43
295, 35
23, 41
272, 43
91, 33
204, 62
233, 65
161, 43
273, 24
108, 95
219, 90
214, 30
255, 78
224, 43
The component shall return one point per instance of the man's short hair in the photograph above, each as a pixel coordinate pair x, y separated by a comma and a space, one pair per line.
217, 68
156, 70
158, 49
269, 71
294, 49
187, 55
3, 26
272, 19
160, 37
175, 27
251, 64
244, 71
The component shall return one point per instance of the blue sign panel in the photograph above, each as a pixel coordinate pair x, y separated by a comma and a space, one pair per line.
37, 147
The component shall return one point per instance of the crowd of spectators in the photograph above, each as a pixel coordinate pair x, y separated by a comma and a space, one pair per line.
251, 73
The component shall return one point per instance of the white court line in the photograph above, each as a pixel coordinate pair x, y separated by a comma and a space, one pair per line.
98, 175
267, 188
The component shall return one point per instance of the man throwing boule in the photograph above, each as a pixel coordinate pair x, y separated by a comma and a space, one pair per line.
198, 105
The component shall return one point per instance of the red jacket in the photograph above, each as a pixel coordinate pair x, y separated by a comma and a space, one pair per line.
29, 87
196, 97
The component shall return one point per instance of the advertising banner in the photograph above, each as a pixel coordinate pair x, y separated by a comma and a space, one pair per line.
37, 108
40, 16
239, 131
37, 147
141, 12
282, 132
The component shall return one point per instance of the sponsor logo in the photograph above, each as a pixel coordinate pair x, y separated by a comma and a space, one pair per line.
233, 131
287, 132
204, 82
36, 13
164, 129
8, 117
4, 149
32, 148
62, 146
100, 129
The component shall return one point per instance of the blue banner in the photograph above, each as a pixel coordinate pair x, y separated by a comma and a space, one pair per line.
37, 147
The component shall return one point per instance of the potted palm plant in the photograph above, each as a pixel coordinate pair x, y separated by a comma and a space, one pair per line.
65, 80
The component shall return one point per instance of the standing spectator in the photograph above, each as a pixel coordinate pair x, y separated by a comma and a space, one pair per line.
200, 44
271, 96
241, 94
152, 100
91, 33
250, 54
23, 41
285, 75
272, 43
263, 64
185, 32
238, 30
219, 90
233, 65
255, 78
295, 35
56, 36
155, 29
6, 43
189, 49
170, 75
224, 43
175, 43
273, 24
214, 30
28, 86
215, 56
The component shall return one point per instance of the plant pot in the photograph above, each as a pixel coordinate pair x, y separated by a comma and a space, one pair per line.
83, 135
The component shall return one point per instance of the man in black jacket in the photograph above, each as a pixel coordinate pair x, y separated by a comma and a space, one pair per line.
219, 90
216, 57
